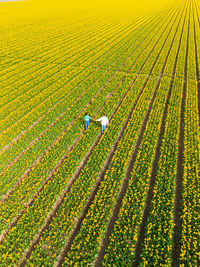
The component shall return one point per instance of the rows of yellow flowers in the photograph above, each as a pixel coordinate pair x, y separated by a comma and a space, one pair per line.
65, 39
67, 58
95, 75
30, 182
58, 150
85, 245
40, 171
60, 229
61, 226
158, 239
52, 186
135, 73
35, 215
95, 64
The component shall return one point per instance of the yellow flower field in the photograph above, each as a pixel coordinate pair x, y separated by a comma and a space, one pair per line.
76, 197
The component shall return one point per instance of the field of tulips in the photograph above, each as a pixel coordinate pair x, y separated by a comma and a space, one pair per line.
76, 197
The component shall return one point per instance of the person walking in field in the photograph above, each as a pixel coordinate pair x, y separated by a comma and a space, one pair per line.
104, 122
87, 120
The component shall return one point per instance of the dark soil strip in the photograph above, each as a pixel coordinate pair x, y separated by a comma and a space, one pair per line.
176, 247
104, 244
139, 244
8, 194
77, 173
197, 62
74, 232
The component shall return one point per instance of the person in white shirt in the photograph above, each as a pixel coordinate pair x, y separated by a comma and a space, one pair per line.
104, 122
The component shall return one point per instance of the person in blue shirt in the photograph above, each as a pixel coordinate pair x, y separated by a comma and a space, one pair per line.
87, 120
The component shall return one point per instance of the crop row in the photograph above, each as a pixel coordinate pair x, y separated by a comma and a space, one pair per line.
54, 187
61, 84
85, 245
13, 40
130, 195
59, 39
70, 36
8, 73
158, 241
